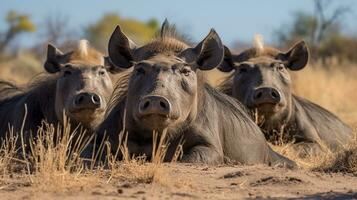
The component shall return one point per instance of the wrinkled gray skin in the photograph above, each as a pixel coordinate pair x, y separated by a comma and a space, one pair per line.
80, 86
166, 92
262, 82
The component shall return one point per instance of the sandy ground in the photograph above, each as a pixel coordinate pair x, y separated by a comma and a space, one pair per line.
179, 181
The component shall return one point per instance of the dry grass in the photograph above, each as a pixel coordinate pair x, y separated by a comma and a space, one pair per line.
7, 153
136, 169
55, 158
334, 89
344, 160
52, 162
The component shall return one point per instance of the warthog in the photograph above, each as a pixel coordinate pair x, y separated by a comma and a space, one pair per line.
168, 92
78, 82
262, 82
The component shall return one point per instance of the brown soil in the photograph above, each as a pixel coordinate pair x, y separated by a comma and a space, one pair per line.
183, 181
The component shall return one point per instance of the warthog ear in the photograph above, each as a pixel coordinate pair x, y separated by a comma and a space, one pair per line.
228, 63
120, 49
208, 54
53, 57
297, 57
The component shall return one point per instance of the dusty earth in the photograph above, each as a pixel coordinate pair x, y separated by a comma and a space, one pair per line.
183, 181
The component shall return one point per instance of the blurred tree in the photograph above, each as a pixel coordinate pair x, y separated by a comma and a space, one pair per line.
153, 23
339, 48
18, 23
315, 27
140, 32
322, 29
303, 26
325, 22
56, 29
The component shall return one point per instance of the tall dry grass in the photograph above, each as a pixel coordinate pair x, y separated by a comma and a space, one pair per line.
342, 160
136, 169
8, 153
55, 157
333, 88
52, 161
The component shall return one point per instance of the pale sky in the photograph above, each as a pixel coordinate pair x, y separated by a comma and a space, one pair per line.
233, 19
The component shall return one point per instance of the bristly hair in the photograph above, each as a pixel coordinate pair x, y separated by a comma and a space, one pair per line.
170, 31
258, 43
258, 49
9, 89
167, 41
82, 48
120, 90
84, 51
226, 86
39, 95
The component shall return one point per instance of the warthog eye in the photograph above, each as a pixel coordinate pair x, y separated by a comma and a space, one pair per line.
185, 71
243, 70
101, 72
67, 73
140, 71
281, 67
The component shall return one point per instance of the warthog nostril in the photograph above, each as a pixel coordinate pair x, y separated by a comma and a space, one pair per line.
79, 99
154, 105
87, 100
266, 95
95, 99
275, 94
258, 95
146, 104
163, 104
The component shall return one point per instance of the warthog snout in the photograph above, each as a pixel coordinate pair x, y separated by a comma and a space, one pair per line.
266, 95
87, 100
156, 105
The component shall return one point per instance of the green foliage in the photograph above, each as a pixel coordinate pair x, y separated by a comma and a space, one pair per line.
140, 32
18, 23
153, 23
